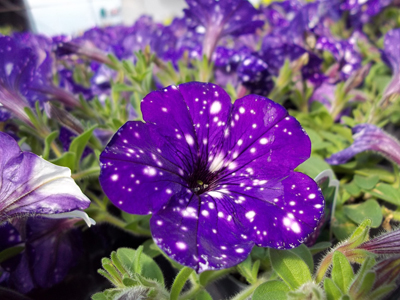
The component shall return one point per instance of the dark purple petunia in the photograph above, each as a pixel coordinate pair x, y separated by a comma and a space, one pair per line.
217, 177
52, 247
221, 18
368, 137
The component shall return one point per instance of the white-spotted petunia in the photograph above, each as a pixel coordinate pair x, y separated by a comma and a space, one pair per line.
217, 178
32, 186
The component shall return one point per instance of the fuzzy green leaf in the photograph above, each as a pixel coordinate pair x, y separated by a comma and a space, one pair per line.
331, 290
290, 267
245, 269
149, 268
305, 255
342, 272
271, 290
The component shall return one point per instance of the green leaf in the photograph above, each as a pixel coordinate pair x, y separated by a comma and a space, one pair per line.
65, 160
361, 234
313, 166
99, 296
331, 290
179, 282
321, 246
387, 193
78, 144
151, 249
245, 269
290, 267
370, 209
342, 272
304, 253
203, 295
382, 291
149, 268
353, 189
47, 142
342, 226
255, 269
366, 183
10, 252
271, 290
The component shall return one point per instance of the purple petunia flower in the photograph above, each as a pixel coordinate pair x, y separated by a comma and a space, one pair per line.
221, 18
217, 178
32, 186
368, 137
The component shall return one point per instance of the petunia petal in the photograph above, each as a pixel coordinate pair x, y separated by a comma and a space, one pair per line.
280, 214
209, 108
139, 164
261, 139
31, 185
203, 236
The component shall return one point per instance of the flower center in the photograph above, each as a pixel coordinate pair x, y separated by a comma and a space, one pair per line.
202, 180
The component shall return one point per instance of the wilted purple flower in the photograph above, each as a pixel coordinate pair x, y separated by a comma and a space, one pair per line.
368, 137
217, 178
385, 244
221, 18
391, 55
52, 247
32, 186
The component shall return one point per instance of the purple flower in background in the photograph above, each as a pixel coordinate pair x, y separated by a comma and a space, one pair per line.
217, 178
361, 12
391, 55
24, 79
368, 137
32, 186
345, 52
221, 18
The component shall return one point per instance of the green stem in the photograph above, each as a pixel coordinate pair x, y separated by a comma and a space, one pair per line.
85, 173
247, 292
96, 199
194, 290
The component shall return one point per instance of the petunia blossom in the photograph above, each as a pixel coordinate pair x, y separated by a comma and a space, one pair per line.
32, 186
217, 177
368, 137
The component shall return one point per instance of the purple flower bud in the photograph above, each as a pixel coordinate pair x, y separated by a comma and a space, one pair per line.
368, 137
217, 177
